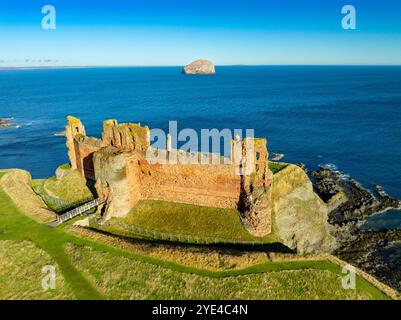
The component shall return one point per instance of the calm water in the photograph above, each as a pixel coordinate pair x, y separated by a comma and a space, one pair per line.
347, 116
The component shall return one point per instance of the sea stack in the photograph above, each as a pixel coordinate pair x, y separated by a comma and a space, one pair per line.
199, 67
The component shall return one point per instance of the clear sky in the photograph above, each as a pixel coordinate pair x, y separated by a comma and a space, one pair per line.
175, 32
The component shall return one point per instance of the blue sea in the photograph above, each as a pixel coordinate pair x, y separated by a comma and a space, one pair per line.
346, 116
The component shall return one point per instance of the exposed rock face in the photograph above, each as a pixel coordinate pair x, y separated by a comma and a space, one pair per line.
300, 215
347, 199
199, 67
376, 252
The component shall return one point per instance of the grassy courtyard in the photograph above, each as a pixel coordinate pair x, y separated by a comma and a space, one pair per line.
191, 220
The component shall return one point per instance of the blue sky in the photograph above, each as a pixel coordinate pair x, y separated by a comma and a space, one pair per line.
175, 32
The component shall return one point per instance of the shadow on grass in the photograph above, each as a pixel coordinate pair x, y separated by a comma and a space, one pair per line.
275, 247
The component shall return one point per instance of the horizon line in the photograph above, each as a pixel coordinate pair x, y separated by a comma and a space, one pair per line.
181, 66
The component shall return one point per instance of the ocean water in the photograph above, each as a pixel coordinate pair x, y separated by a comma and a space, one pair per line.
346, 116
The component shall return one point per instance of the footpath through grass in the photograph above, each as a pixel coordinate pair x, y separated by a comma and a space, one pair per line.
15, 225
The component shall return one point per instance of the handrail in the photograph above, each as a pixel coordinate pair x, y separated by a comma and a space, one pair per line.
79, 210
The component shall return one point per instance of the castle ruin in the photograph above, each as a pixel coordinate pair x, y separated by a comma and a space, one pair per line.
124, 176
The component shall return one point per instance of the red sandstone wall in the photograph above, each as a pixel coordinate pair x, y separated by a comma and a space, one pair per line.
134, 184
207, 185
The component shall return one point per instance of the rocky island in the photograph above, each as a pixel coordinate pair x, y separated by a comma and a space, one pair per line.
200, 67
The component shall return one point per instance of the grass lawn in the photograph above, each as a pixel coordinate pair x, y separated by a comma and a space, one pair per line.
116, 276
21, 273
92, 270
65, 166
72, 188
191, 220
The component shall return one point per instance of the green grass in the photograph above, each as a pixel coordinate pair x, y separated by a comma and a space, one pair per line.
15, 225
116, 276
276, 167
65, 166
21, 273
72, 188
191, 220
21, 227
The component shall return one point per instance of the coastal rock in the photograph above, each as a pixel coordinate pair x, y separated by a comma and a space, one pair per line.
6, 123
200, 67
376, 252
301, 217
276, 156
347, 199
60, 134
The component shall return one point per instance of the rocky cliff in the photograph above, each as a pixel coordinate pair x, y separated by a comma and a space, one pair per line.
300, 215
199, 67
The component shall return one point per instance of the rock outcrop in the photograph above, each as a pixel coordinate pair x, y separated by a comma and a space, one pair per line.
200, 67
300, 215
6, 123
347, 199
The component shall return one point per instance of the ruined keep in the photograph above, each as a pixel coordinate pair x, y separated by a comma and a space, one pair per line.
123, 175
